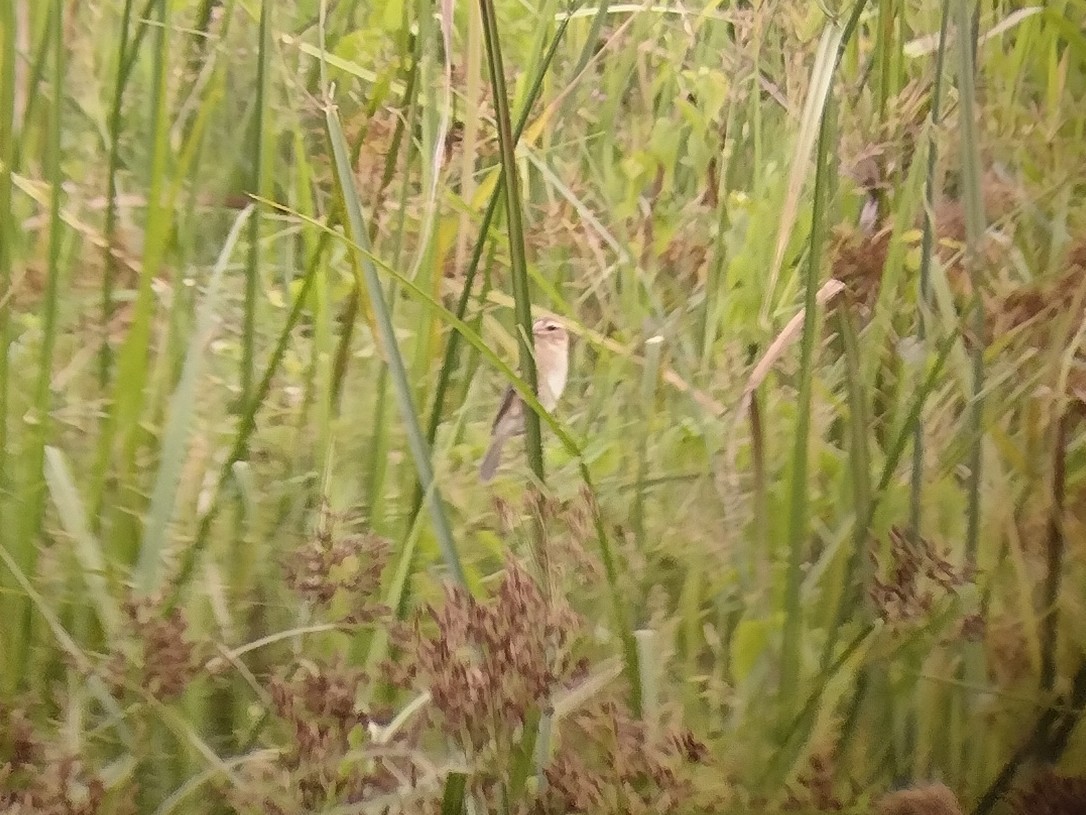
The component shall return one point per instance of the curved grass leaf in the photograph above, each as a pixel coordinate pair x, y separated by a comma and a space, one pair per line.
386, 332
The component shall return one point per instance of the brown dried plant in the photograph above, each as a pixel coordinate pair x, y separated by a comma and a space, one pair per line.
39, 779
609, 762
859, 256
858, 262
1050, 794
815, 791
155, 653
488, 665
1042, 303
918, 577
1044, 315
60, 787
924, 799
491, 665
151, 656
563, 551
332, 564
323, 761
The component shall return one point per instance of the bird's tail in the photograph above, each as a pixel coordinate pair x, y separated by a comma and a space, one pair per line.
492, 458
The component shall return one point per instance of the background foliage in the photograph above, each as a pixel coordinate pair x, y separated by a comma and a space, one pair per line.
262, 280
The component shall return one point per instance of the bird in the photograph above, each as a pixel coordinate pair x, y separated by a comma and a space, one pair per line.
551, 342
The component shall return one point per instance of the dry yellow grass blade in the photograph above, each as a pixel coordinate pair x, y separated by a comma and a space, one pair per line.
829, 290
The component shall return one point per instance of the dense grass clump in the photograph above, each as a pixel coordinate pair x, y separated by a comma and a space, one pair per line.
805, 533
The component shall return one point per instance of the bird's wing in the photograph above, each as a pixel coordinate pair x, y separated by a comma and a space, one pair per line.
505, 408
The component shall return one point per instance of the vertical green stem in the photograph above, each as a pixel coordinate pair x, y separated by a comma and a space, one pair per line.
33, 509
401, 386
1054, 557
380, 439
649, 378
972, 196
759, 560
797, 528
109, 271
7, 227
132, 361
453, 348
521, 293
798, 510
924, 300
258, 184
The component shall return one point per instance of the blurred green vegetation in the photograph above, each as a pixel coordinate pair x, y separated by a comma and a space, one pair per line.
809, 520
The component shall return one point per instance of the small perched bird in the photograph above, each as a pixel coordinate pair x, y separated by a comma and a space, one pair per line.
552, 367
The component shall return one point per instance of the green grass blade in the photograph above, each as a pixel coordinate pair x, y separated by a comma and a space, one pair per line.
25, 551
382, 427
88, 550
452, 799
650, 376
818, 96
178, 423
798, 506
7, 226
860, 469
521, 292
38, 69
830, 50
109, 271
969, 671
259, 180
120, 434
973, 200
400, 385
925, 294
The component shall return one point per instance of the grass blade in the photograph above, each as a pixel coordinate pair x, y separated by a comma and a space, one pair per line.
179, 420
7, 225
25, 552
819, 104
452, 799
133, 360
515, 226
973, 199
925, 293
109, 271
818, 96
261, 172
401, 387
88, 551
